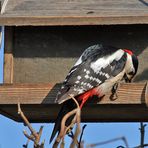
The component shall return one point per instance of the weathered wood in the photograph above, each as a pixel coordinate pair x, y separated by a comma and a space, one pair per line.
38, 103
1, 36
8, 56
46, 93
46, 54
88, 12
3, 5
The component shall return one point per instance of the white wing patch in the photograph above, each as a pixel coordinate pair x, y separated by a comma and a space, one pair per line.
105, 61
79, 77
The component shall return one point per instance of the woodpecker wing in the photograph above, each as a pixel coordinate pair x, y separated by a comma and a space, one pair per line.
97, 64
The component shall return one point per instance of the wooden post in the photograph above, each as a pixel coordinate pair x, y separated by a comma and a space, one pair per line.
1, 37
3, 6
8, 56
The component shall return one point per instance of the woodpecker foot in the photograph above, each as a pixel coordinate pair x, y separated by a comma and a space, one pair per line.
114, 92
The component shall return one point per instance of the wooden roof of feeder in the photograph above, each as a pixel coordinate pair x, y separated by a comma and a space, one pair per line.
73, 12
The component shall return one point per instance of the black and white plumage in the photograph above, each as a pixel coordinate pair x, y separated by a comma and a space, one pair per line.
97, 64
96, 72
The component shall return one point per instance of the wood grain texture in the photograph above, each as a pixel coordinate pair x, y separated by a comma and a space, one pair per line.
46, 54
46, 93
74, 12
8, 56
38, 103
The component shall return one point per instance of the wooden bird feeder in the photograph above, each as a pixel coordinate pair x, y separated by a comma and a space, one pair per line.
43, 39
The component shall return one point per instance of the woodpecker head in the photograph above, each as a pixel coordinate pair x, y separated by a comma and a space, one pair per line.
133, 66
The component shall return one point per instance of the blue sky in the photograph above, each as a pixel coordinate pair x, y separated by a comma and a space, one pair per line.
11, 135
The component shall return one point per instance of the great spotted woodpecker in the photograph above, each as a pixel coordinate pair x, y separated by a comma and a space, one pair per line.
98, 70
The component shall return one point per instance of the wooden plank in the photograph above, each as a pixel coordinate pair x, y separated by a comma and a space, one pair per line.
75, 20
88, 12
8, 56
38, 103
46, 93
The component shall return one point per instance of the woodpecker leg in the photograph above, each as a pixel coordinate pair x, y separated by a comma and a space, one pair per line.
114, 91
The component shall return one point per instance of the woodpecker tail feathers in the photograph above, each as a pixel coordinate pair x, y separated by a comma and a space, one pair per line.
67, 106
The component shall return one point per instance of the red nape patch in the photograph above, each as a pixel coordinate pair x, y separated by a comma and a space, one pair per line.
128, 51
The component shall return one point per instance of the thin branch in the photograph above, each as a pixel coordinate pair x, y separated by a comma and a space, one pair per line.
83, 128
80, 142
125, 142
63, 129
30, 137
142, 134
106, 142
62, 144
78, 120
70, 134
78, 129
40, 132
139, 146
34, 136
26, 121
26, 145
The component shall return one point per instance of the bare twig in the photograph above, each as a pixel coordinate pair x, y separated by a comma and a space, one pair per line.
79, 143
64, 129
83, 128
62, 144
142, 133
109, 141
26, 145
70, 134
139, 146
34, 136
78, 128
72, 97
125, 142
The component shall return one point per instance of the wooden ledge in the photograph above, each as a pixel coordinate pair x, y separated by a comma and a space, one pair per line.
7, 20
38, 103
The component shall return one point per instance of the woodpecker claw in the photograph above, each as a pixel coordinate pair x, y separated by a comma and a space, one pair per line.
114, 91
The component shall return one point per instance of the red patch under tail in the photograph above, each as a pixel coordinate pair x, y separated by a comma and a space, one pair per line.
85, 96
